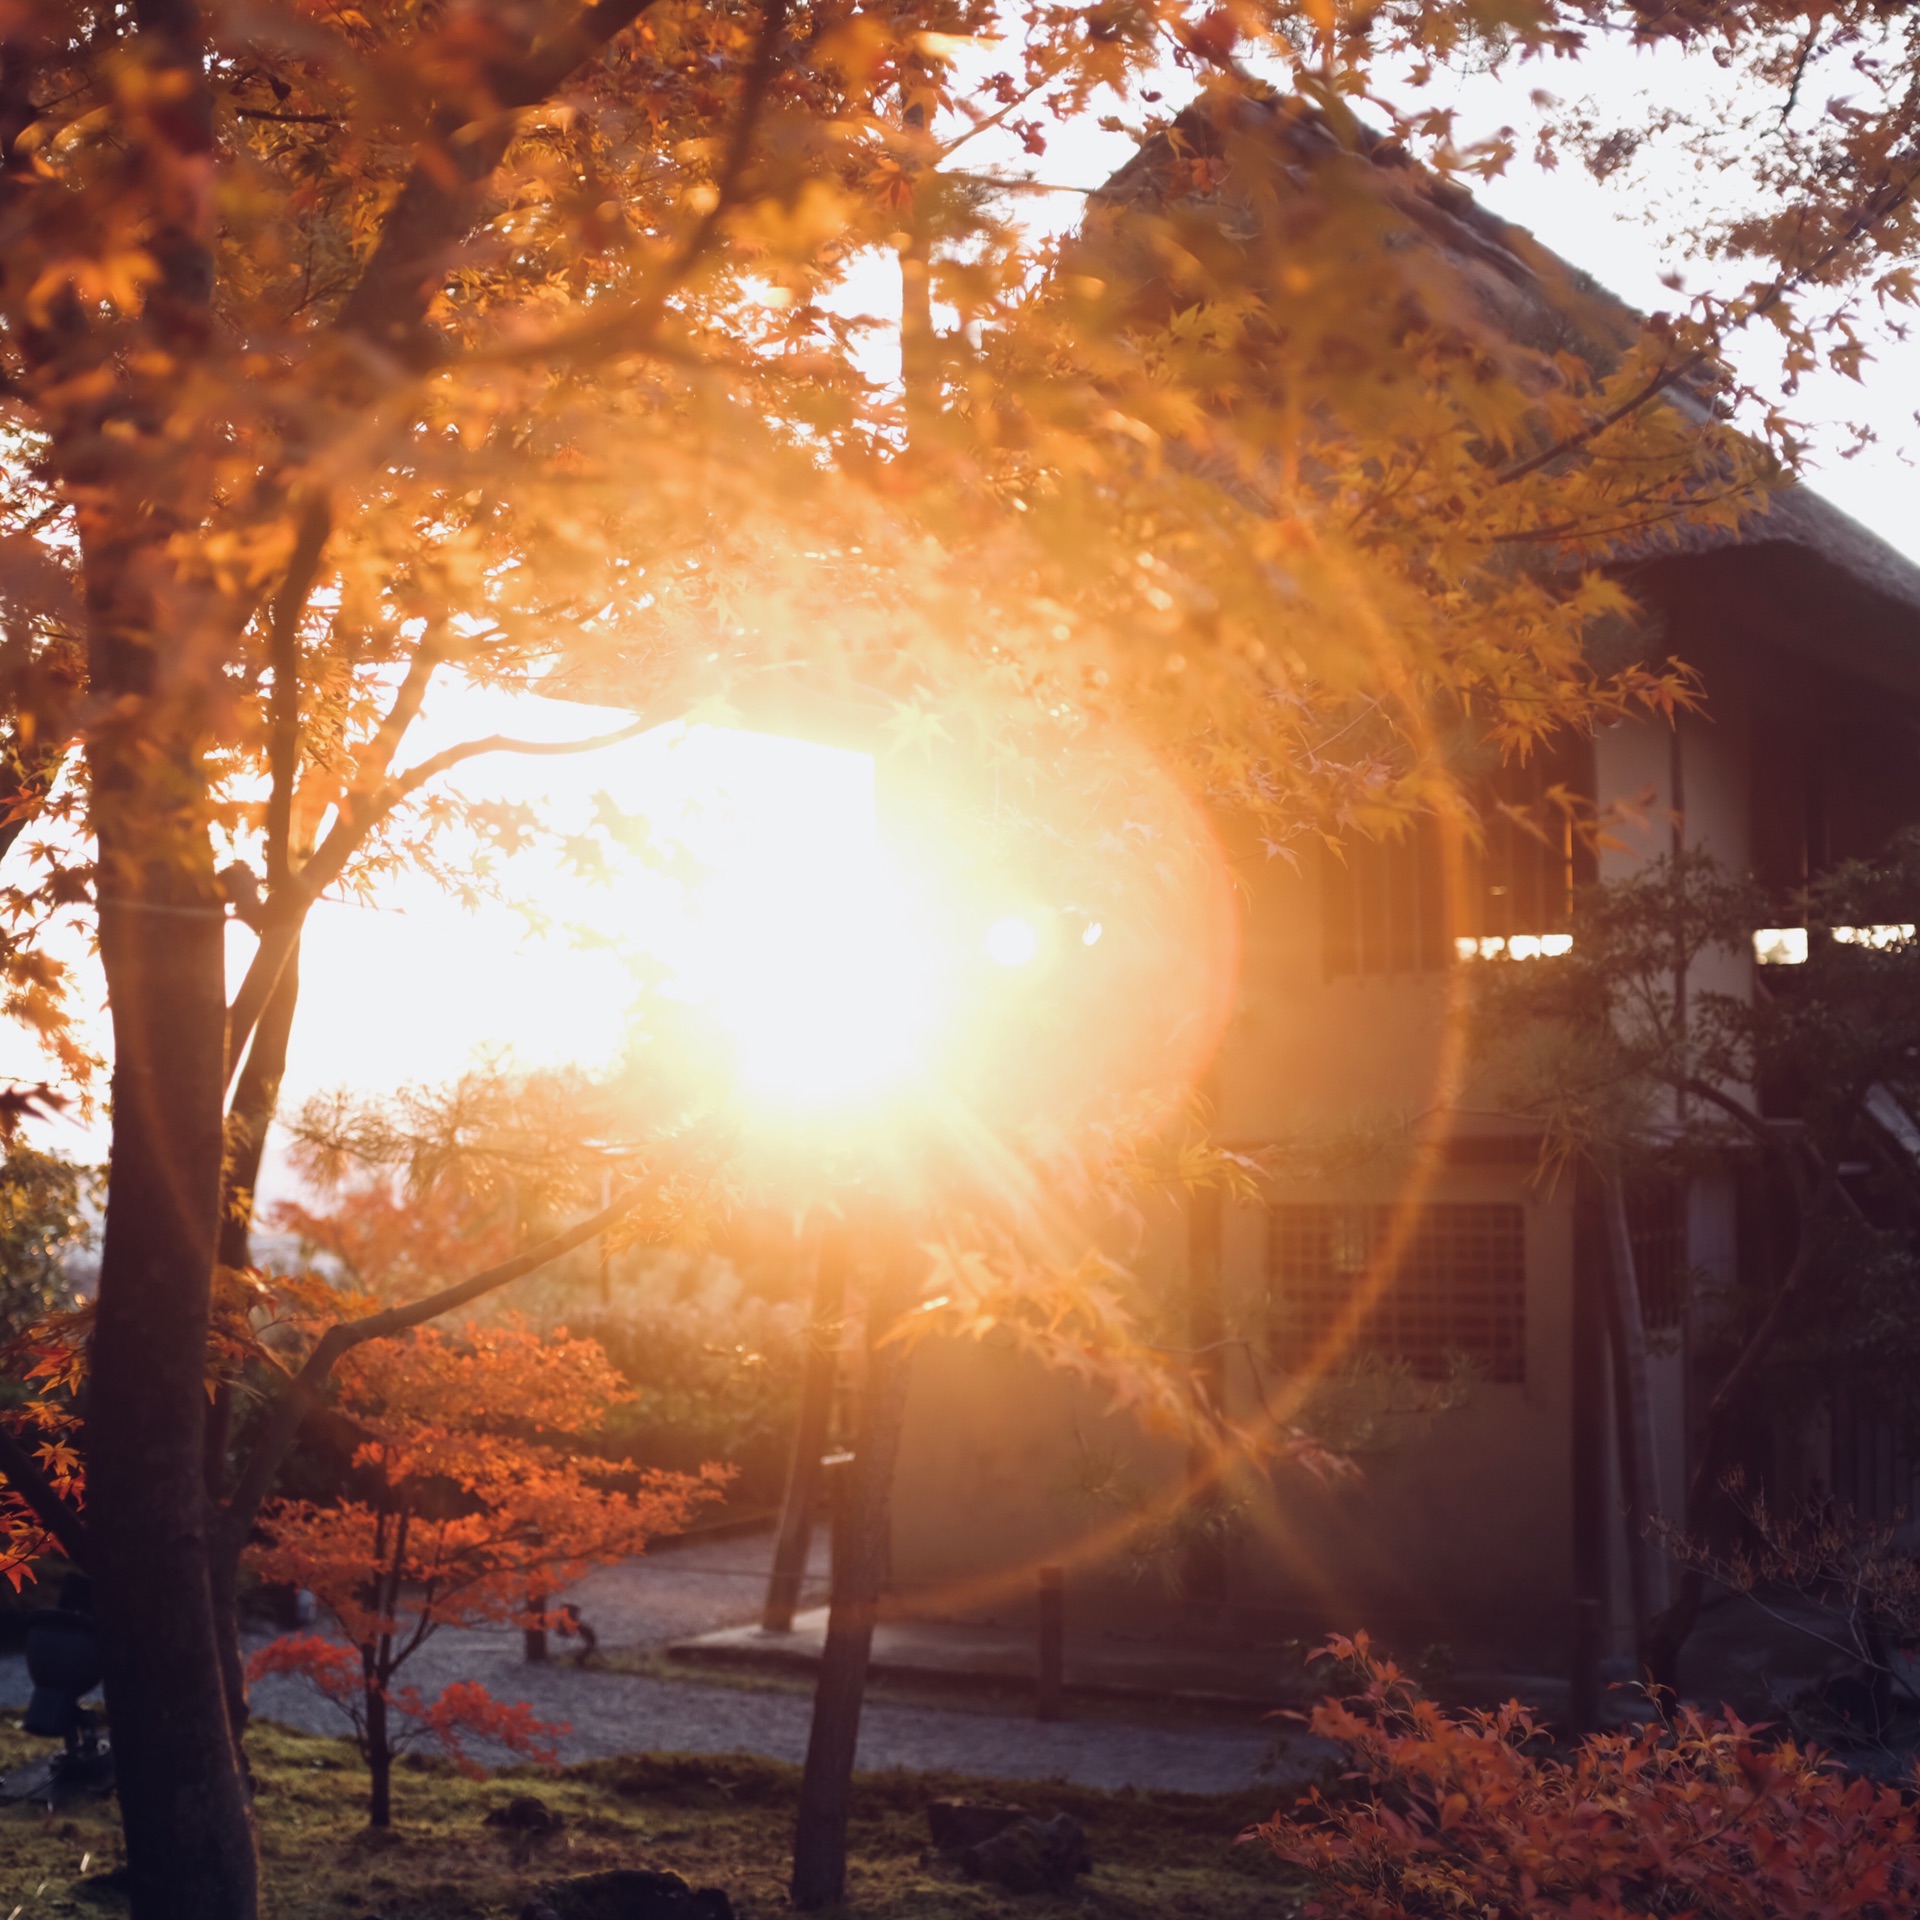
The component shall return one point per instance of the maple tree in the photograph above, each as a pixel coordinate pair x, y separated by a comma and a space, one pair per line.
1448, 1812
355, 356
466, 1497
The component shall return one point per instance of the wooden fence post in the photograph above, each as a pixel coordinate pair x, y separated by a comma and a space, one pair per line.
1050, 1679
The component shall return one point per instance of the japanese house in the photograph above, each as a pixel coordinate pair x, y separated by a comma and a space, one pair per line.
1480, 1525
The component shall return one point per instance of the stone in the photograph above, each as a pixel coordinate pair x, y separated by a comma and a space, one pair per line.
955, 1825
1031, 1856
627, 1893
525, 1813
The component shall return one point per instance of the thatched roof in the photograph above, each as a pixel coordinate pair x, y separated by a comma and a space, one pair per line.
1797, 572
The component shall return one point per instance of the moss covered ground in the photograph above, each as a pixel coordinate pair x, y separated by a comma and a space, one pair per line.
718, 1821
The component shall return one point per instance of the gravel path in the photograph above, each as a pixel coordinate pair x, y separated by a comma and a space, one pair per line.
648, 1602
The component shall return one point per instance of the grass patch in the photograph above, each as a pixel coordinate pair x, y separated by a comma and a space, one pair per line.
718, 1820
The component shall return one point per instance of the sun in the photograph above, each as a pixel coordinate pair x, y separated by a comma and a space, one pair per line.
796, 933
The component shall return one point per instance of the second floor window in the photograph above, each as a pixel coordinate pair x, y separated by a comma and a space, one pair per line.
1386, 906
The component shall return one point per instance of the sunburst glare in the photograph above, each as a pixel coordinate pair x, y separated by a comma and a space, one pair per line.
794, 932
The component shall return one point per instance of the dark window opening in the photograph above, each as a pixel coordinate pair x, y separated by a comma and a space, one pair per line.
1386, 906
1657, 1229
1457, 1290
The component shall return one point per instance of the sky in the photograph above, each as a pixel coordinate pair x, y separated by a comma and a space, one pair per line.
415, 988
1623, 234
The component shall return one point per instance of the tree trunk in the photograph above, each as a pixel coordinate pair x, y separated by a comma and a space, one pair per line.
156, 650
256, 1099
379, 1757
224, 1569
183, 1800
1633, 1412
859, 1562
256, 1096
810, 1437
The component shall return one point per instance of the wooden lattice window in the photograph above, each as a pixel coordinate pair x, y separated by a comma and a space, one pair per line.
1457, 1290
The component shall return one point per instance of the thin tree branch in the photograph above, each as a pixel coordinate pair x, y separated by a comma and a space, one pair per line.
1878, 205
300, 1395
435, 205
283, 654
287, 904
415, 778
1668, 376
992, 120
1744, 1117
58, 1515
630, 330
529, 81
408, 699
289, 119
1799, 73
281, 932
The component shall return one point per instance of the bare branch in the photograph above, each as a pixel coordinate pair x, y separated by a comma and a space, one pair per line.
1741, 1115
987, 122
287, 916
408, 699
1667, 377
415, 778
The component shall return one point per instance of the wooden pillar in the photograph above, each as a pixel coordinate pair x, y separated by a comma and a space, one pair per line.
1204, 1572
795, 1533
1633, 1408
1050, 1666
1589, 1439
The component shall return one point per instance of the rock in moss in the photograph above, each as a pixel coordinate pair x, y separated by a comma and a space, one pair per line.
1031, 1856
527, 1813
956, 1825
627, 1893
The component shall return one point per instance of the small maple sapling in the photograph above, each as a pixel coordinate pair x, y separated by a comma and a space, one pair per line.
465, 1498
